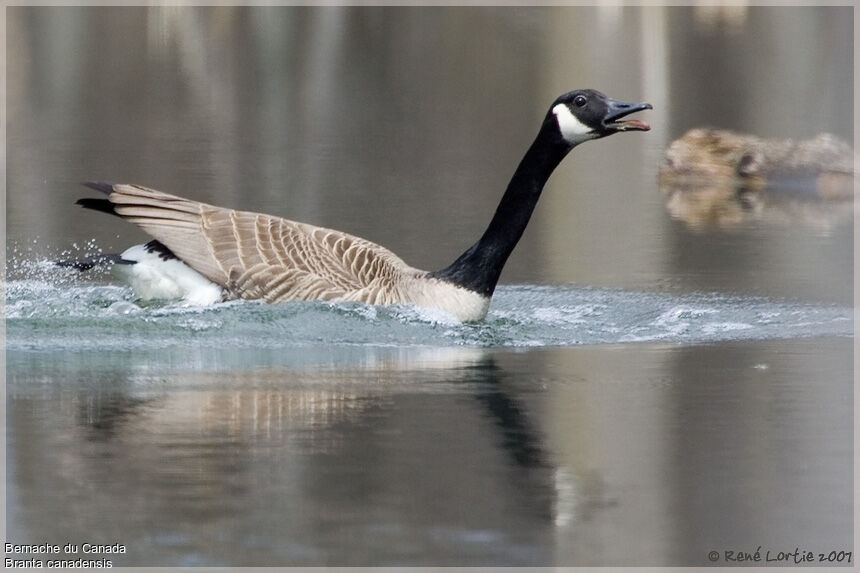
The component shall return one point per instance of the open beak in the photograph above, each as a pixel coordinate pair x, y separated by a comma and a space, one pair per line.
618, 109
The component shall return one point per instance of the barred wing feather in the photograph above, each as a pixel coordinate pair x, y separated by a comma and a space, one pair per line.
260, 256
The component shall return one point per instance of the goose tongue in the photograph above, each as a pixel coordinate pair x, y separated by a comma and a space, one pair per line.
632, 125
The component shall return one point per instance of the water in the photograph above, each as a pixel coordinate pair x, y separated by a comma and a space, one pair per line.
70, 314
659, 376
320, 433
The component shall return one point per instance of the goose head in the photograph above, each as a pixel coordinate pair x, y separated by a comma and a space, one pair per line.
582, 115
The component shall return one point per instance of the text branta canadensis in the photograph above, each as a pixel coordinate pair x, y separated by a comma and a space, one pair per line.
203, 253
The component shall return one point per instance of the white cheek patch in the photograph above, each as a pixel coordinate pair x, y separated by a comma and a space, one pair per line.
573, 130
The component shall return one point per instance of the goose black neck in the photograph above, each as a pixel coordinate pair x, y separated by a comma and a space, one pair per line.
478, 269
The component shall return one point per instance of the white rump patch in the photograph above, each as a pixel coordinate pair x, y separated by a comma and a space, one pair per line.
154, 278
573, 130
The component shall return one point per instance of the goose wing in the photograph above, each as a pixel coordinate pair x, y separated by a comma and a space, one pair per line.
260, 256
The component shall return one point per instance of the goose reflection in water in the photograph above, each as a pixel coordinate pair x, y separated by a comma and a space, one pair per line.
333, 460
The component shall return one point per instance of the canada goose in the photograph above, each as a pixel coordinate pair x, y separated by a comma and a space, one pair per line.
204, 253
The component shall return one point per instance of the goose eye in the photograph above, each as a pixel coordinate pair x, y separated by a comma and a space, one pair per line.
579, 100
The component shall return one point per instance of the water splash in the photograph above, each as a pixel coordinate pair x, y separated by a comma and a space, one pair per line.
53, 309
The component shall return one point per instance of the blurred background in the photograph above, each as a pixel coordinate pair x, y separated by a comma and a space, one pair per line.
403, 126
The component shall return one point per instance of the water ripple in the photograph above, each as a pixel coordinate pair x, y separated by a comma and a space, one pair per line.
49, 313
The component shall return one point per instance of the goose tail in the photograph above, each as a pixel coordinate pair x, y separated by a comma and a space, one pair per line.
86, 263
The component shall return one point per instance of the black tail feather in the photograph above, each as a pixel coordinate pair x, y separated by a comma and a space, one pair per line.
86, 263
105, 206
102, 205
100, 186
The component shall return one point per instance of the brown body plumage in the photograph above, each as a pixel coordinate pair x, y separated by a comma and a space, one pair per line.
258, 256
